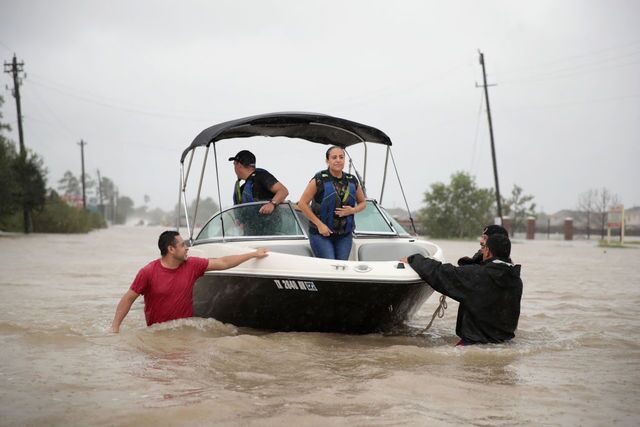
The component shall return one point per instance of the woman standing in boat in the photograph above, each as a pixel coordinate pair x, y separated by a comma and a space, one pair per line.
335, 197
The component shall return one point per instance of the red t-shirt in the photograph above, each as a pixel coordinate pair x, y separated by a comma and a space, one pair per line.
168, 293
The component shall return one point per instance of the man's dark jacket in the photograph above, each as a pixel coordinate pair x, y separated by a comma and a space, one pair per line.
489, 295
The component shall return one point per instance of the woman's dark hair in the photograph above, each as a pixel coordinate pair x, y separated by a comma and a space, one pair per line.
166, 239
499, 245
331, 148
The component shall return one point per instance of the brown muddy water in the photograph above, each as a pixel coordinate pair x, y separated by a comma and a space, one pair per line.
575, 360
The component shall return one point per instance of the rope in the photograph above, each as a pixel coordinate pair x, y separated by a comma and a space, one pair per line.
438, 313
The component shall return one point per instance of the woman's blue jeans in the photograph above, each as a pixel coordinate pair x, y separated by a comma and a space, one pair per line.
332, 247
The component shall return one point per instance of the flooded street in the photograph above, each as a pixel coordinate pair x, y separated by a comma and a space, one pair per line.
575, 359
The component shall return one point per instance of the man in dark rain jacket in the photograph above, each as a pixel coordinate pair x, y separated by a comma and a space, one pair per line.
489, 293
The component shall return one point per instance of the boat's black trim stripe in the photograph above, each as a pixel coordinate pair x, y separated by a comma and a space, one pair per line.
314, 278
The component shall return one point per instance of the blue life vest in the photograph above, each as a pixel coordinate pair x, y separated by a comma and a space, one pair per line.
331, 200
246, 195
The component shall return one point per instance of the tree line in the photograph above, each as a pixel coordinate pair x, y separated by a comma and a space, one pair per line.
461, 209
102, 195
593, 206
24, 188
27, 204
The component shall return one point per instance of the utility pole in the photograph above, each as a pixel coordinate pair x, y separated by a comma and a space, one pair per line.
493, 149
14, 68
84, 194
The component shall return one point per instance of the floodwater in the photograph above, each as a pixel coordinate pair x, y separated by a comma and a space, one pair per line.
575, 359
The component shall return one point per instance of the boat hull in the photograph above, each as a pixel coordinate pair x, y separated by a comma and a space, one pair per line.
299, 304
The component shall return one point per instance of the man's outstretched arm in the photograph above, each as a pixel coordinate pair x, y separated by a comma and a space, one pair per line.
123, 308
231, 261
454, 282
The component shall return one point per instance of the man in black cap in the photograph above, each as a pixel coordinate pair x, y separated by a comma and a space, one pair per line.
489, 293
259, 184
488, 231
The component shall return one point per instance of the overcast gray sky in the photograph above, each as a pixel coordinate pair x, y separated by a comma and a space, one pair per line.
138, 80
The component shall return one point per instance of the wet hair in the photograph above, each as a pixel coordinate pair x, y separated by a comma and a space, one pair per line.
331, 148
166, 239
499, 245
495, 229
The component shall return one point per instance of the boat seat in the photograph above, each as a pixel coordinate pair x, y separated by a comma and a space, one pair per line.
301, 250
391, 251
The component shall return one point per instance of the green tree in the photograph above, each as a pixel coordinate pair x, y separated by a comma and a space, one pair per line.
107, 190
586, 206
206, 209
8, 156
69, 185
31, 172
25, 188
159, 217
8, 199
59, 217
124, 209
23, 180
459, 209
604, 199
518, 206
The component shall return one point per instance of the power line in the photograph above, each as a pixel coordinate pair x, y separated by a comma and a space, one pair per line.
116, 107
74, 90
6, 47
62, 124
389, 91
586, 62
587, 101
589, 54
568, 74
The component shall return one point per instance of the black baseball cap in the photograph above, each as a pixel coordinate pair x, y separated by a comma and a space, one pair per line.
244, 157
495, 229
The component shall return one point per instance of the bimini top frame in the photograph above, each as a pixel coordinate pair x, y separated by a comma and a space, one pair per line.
313, 127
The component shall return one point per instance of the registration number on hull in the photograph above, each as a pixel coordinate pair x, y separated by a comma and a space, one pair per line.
299, 285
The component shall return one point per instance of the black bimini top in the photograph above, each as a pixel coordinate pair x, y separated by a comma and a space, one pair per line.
313, 127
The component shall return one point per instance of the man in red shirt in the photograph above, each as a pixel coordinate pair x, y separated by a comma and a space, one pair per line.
167, 283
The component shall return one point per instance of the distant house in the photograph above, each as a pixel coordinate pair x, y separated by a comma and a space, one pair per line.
632, 219
555, 222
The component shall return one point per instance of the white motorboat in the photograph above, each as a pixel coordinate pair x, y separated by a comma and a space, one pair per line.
291, 290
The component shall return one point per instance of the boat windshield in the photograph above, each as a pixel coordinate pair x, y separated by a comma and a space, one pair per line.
244, 221
371, 221
374, 220
399, 228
